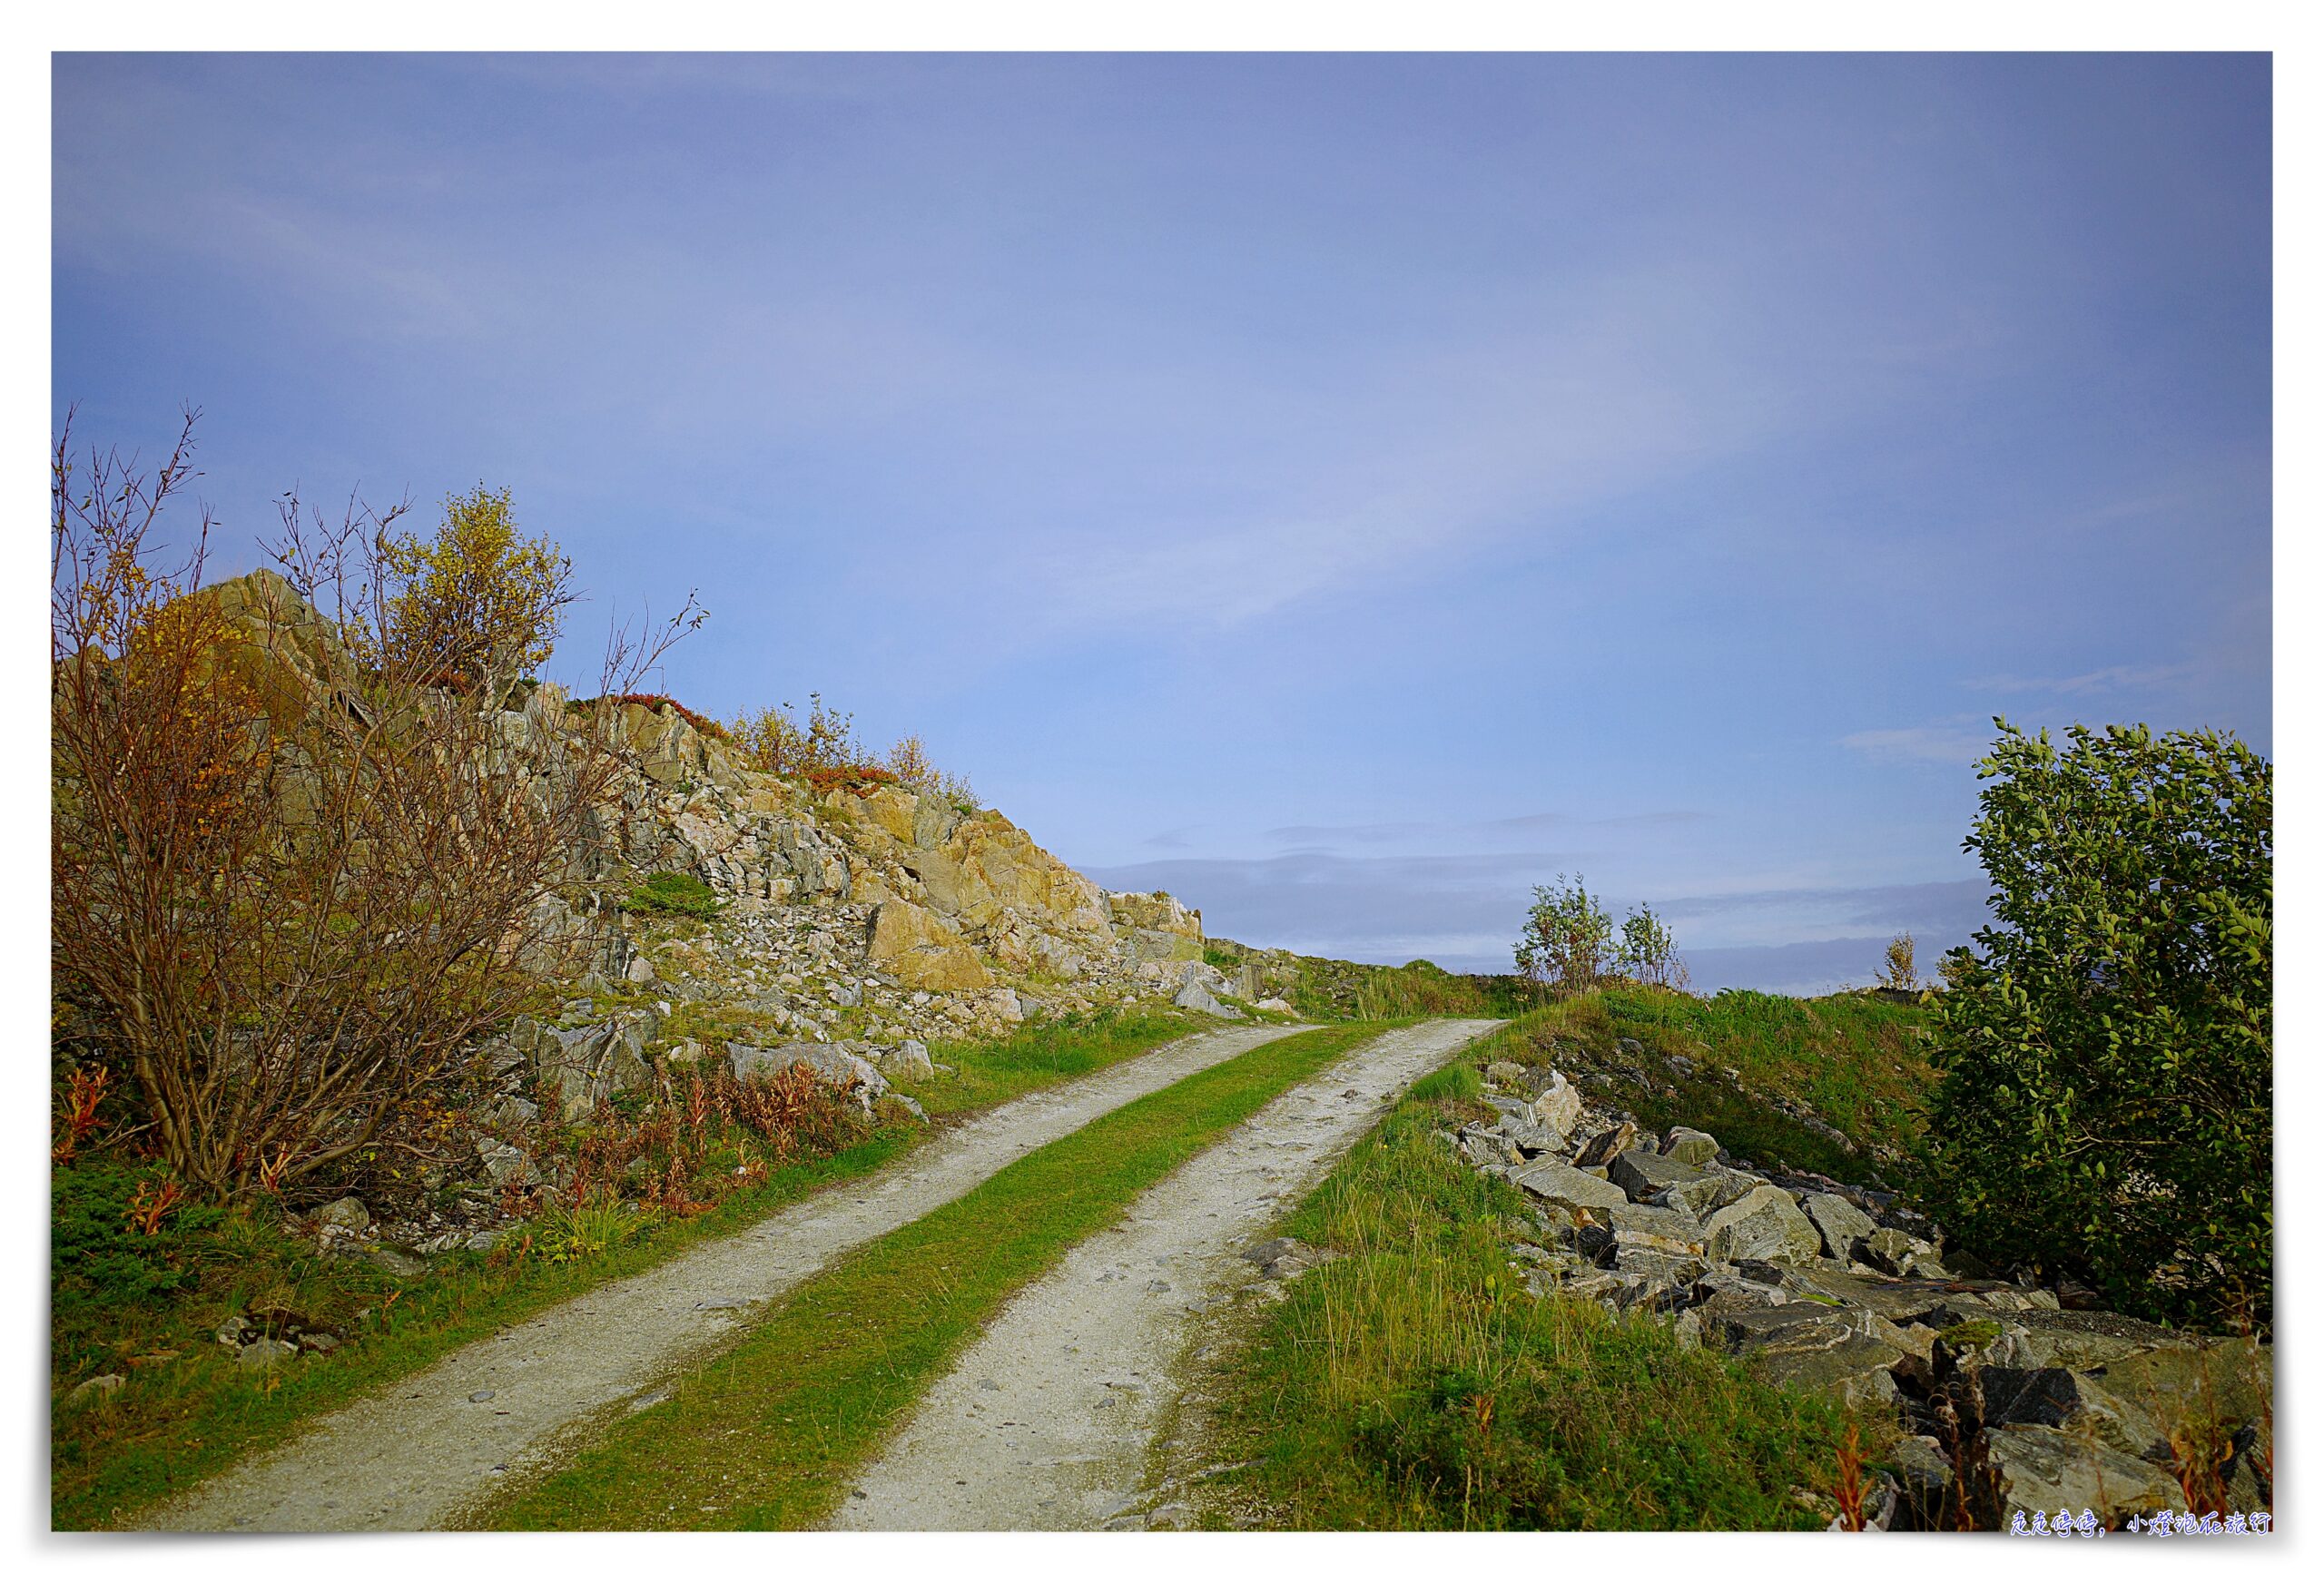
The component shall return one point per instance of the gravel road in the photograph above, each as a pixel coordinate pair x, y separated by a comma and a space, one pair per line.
412, 1454
1045, 1422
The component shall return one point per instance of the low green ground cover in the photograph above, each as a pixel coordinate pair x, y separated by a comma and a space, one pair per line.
144, 1307
1415, 1383
1860, 1062
764, 1436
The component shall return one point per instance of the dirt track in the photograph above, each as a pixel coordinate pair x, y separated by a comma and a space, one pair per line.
412, 1454
1045, 1422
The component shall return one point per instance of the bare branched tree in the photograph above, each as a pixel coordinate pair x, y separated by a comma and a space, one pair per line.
302, 856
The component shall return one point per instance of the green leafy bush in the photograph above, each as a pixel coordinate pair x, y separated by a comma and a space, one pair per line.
680, 893
2106, 1106
1569, 937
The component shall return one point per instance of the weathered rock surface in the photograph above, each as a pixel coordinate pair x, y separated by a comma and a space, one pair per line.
1792, 1273
1764, 1223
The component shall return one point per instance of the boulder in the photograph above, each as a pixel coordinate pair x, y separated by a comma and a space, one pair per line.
1886, 1250
1712, 1189
1568, 1188
907, 1061
1764, 1223
593, 1062
266, 1352
1838, 1222
1558, 1106
2040, 1468
504, 1163
95, 1388
1601, 1150
1505, 1074
1194, 997
832, 1067
1689, 1147
1656, 1229
347, 1214
1808, 1346
1642, 1173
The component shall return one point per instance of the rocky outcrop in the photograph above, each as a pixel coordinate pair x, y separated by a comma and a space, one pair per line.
1999, 1398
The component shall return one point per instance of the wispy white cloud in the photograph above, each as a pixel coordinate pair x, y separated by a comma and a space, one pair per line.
2106, 679
1937, 744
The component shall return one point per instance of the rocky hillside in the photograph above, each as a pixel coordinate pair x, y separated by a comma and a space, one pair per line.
856, 919
1984, 1396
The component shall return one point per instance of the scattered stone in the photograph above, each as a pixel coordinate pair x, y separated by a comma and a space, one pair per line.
95, 1389
398, 1262
2038, 1468
1601, 1150
1558, 1106
266, 1352
1838, 1222
1642, 1173
1689, 1147
347, 1214
1764, 1223
1567, 1189
480, 1395
906, 1061
1506, 1074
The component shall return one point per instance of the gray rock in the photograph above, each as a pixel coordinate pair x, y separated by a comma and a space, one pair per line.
906, 1061
832, 1065
1567, 1187
1194, 997
1505, 1074
594, 1063
2040, 1468
2049, 1396
1558, 1106
396, 1261
1838, 1222
1642, 1173
96, 1388
1808, 1346
1689, 1147
1764, 1223
504, 1163
1655, 1229
1888, 1251
266, 1352
345, 1213
1713, 1189
1601, 1150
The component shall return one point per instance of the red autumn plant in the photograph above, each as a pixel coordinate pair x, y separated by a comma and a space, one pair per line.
293, 877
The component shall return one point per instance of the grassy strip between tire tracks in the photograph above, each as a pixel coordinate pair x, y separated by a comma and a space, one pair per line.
177, 1425
763, 1437
1415, 1383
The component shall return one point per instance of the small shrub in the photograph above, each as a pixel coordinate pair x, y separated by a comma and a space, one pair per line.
1897, 970
682, 894
1648, 954
1567, 939
700, 722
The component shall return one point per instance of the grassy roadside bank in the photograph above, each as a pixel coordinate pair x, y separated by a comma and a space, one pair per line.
144, 1307
763, 1437
1415, 1383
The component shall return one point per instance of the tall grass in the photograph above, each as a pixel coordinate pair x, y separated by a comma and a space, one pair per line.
1415, 1383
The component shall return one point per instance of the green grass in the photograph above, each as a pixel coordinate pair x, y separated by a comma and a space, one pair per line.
116, 1296
1415, 1383
1041, 1054
682, 894
763, 1437
1861, 1063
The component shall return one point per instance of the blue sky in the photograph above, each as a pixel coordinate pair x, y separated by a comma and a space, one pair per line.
1342, 490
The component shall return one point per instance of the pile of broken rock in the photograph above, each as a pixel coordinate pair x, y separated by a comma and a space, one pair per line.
2002, 1399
